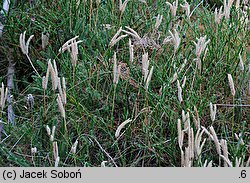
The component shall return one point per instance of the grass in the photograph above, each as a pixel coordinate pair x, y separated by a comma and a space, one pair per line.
96, 107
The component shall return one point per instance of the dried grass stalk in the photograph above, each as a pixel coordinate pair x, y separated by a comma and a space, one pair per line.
131, 52
186, 7
48, 130
179, 92
175, 39
116, 70
64, 95
206, 164
196, 118
216, 141
33, 150
55, 150
186, 121
225, 151
239, 138
25, 48
74, 53
120, 127
218, 15
115, 39
46, 78
60, 105
145, 65
182, 159
103, 163
207, 132
184, 82
158, 21
227, 161
133, 33
60, 88
122, 5
180, 134
182, 66
54, 76
25, 45
227, 8
3, 96
188, 161
213, 109
231, 84
238, 162
248, 162
45, 40
116, 35
173, 7
198, 146
67, 45
175, 77
57, 161
200, 46
191, 142
241, 63
149, 77
55, 68
52, 134
74, 146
